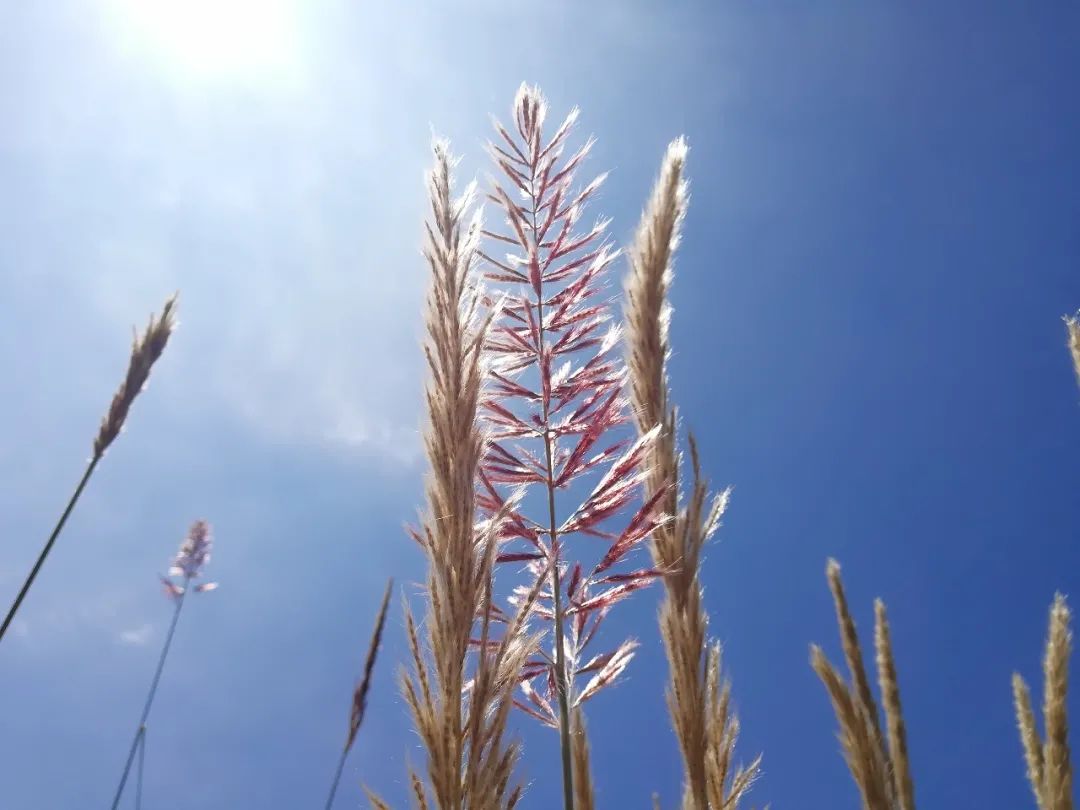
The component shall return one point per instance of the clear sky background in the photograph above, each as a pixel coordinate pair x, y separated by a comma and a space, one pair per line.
882, 239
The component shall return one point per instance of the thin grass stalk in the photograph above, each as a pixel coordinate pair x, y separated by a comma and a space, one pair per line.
192, 557
10, 617
140, 770
145, 351
584, 794
337, 777
360, 693
140, 729
562, 688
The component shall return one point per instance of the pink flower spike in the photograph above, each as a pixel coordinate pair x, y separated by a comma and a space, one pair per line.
189, 561
194, 552
553, 399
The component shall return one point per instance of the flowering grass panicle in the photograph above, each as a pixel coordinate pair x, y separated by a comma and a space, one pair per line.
1049, 765
554, 402
698, 698
145, 351
192, 557
1072, 327
881, 769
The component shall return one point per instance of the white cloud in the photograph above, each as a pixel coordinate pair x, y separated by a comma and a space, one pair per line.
138, 636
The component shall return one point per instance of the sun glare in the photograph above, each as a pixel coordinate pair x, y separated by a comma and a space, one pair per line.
213, 38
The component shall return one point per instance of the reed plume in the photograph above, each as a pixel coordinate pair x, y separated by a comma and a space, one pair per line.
461, 720
1072, 327
359, 702
698, 697
556, 399
188, 563
145, 351
881, 769
1049, 765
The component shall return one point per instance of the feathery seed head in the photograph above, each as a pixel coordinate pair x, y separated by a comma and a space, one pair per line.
359, 704
194, 551
698, 696
1072, 327
145, 351
878, 761
460, 720
1049, 761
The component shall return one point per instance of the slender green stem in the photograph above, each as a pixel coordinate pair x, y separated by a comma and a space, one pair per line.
49, 544
337, 778
139, 772
140, 730
561, 685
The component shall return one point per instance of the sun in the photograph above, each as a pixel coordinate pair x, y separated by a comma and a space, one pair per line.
250, 39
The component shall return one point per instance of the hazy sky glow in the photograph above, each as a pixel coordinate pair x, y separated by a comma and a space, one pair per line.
881, 242
211, 41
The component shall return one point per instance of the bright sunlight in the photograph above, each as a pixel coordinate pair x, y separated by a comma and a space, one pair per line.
212, 39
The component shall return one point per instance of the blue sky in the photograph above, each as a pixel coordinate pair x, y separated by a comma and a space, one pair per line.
881, 242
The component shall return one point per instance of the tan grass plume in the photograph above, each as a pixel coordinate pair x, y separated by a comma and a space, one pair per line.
878, 762
145, 351
698, 696
1049, 764
460, 715
360, 693
1072, 327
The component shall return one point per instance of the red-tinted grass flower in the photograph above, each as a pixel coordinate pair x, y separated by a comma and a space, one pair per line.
189, 561
555, 409
193, 555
